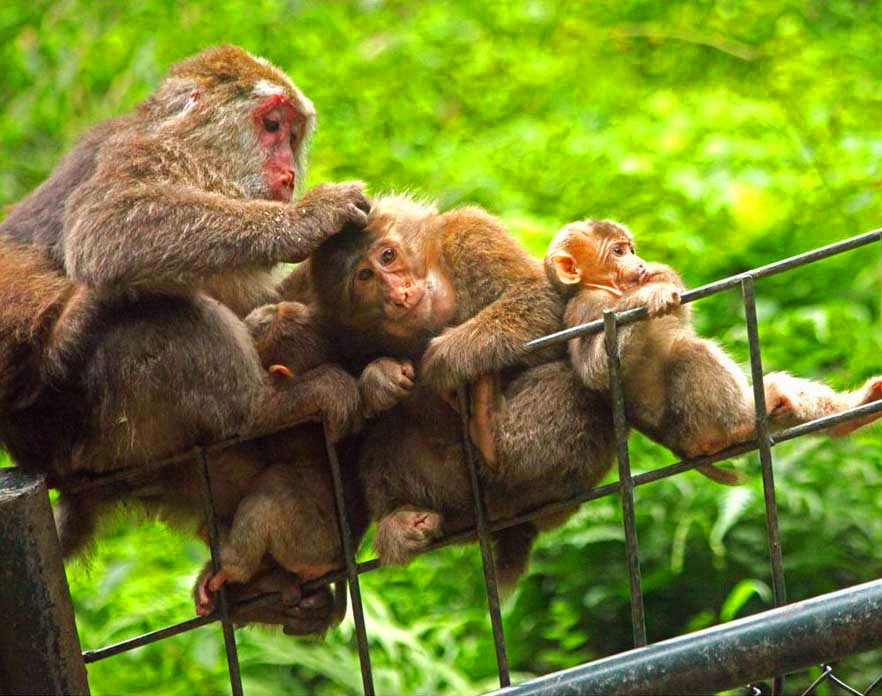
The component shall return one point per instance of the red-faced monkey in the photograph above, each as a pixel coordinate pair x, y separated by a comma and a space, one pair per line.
171, 218
680, 389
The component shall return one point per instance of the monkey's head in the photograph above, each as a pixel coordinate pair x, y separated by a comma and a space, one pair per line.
593, 254
242, 113
381, 278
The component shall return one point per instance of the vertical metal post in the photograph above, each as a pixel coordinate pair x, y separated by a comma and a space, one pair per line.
626, 484
484, 542
764, 442
214, 546
364, 656
39, 648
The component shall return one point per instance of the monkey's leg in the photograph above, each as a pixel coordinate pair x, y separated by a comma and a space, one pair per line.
404, 532
870, 392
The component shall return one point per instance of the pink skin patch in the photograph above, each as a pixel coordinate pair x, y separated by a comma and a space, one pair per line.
278, 126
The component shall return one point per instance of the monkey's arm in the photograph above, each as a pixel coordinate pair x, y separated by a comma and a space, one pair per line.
503, 296
142, 228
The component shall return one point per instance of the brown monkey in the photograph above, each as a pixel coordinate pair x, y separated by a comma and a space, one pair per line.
289, 512
455, 293
680, 389
172, 218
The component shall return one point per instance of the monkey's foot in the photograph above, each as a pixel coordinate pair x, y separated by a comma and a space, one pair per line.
403, 533
872, 391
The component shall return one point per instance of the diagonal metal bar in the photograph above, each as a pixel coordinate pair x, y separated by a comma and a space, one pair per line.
482, 529
643, 479
632, 315
626, 482
364, 655
224, 607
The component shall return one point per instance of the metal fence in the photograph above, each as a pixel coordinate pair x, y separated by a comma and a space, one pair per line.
763, 646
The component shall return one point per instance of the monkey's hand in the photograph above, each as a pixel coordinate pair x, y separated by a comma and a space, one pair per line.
384, 383
660, 298
444, 366
324, 211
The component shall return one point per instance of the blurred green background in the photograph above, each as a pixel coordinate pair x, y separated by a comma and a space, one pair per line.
726, 134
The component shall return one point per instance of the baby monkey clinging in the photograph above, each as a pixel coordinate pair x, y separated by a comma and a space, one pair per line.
680, 389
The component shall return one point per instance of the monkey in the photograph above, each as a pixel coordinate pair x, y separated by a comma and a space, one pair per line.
680, 389
454, 297
289, 512
169, 221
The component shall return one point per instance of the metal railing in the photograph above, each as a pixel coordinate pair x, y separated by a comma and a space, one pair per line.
670, 657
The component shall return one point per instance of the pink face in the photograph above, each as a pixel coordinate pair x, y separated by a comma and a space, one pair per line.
280, 131
387, 278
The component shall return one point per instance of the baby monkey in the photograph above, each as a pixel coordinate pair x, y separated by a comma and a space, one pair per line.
680, 389
288, 510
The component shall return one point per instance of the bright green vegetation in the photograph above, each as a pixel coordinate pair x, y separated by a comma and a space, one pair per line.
725, 134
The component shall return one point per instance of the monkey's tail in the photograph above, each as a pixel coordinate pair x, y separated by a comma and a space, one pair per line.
511, 552
725, 476
75, 519
339, 612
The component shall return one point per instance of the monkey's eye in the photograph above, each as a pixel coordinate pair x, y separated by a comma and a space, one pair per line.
388, 256
619, 250
365, 274
270, 125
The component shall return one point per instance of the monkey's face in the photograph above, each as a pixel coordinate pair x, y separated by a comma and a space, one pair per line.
280, 130
390, 286
594, 254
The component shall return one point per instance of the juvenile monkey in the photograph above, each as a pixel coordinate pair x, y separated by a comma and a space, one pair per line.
456, 295
289, 511
680, 389
169, 220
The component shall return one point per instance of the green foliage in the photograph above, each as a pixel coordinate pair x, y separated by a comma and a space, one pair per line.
726, 134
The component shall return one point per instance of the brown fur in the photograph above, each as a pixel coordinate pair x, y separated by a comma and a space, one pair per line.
170, 221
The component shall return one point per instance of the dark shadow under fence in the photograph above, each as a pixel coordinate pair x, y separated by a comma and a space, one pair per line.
40, 652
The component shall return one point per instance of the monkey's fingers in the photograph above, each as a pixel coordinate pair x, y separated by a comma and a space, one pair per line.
204, 598
218, 579
281, 371
408, 370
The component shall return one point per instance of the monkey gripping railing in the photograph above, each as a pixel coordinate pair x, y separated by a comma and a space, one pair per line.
769, 644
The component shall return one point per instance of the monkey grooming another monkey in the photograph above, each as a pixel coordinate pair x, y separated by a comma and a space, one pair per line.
457, 296
169, 221
680, 389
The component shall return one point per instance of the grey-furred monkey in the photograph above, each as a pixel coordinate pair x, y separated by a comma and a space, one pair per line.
680, 389
166, 224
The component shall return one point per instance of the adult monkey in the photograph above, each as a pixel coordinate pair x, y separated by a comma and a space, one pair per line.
170, 220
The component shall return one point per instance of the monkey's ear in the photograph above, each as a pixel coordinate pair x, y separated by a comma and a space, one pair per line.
565, 268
